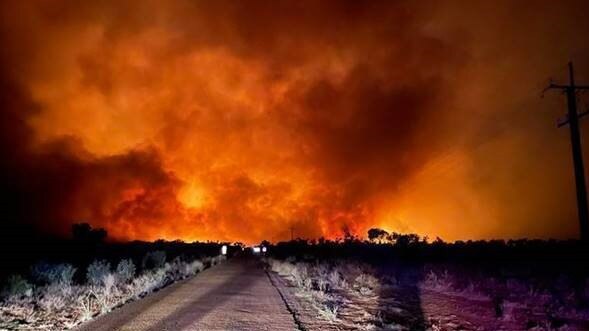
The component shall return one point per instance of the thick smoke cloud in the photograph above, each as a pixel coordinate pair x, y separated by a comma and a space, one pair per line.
43, 186
241, 120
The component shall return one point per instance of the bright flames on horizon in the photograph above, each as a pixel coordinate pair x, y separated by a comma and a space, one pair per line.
226, 121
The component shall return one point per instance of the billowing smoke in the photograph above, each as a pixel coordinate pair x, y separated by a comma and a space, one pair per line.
243, 120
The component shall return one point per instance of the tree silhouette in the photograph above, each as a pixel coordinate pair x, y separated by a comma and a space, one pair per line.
377, 234
84, 233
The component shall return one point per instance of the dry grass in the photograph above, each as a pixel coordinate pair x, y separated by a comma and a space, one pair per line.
55, 303
327, 287
349, 295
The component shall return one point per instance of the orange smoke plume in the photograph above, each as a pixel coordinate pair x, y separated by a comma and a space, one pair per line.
231, 120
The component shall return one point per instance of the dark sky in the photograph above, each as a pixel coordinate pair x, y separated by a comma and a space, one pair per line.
239, 120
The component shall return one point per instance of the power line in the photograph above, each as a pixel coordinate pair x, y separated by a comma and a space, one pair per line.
572, 119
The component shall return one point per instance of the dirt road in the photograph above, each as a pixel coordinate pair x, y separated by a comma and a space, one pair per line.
236, 295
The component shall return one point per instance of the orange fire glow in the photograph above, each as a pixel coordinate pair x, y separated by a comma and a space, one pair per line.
239, 121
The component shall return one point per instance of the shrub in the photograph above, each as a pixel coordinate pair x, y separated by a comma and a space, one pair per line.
323, 285
365, 284
85, 306
218, 259
350, 271
40, 272
97, 272
192, 268
438, 281
17, 286
53, 273
54, 297
329, 310
154, 260
109, 281
321, 274
282, 268
301, 276
148, 282
125, 271
64, 274
335, 280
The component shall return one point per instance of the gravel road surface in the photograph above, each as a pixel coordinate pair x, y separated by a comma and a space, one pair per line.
236, 295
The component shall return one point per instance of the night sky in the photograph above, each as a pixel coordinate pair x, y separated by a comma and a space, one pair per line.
239, 120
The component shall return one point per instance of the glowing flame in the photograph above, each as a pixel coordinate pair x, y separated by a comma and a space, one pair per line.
192, 196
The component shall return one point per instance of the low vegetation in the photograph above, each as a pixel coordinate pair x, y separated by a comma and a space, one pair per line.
327, 287
51, 300
403, 282
60, 295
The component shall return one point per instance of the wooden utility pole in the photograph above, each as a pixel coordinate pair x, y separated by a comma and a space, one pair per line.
572, 119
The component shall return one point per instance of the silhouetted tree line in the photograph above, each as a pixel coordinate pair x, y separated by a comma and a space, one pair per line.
86, 245
381, 247
84, 233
